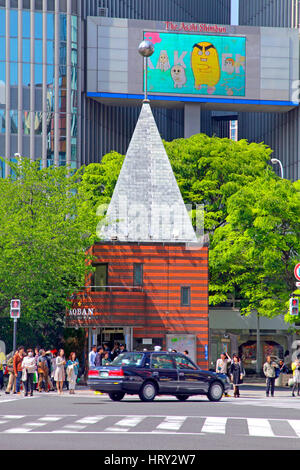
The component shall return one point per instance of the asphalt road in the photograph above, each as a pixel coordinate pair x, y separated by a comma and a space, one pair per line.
89, 421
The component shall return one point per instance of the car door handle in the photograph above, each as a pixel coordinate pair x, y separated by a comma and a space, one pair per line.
181, 374
155, 374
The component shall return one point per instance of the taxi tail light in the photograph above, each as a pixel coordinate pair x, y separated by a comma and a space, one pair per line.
116, 373
93, 373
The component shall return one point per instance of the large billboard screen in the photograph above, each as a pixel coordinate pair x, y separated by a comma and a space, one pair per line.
197, 64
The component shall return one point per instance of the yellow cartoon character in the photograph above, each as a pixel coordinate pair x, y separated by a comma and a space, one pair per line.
205, 66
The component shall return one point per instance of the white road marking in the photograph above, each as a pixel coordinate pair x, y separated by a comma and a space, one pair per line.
125, 424
34, 424
50, 418
259, 427
214, 425
295, 424
171, 423
13, 416
90, 420
17, 430
167, 425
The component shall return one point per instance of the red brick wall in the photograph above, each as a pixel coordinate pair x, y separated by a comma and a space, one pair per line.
156, 310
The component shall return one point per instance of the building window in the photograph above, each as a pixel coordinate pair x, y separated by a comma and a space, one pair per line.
138, 274
185, 296
99, 277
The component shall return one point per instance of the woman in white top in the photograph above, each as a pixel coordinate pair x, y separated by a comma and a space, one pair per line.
59, 375
28, 368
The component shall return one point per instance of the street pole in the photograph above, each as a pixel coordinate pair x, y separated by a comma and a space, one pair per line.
15, 335
258, 359
146, 49
274, 161
146, 77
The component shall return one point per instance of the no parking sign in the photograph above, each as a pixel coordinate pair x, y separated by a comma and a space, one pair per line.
297, 271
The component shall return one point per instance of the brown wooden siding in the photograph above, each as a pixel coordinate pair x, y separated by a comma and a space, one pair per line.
155, 309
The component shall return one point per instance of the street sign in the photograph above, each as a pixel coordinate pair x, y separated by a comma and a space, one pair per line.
15, 308
297, 271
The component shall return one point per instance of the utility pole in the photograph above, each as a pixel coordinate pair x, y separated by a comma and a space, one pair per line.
258, 355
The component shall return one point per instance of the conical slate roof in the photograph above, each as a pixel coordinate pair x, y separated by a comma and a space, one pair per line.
147, 204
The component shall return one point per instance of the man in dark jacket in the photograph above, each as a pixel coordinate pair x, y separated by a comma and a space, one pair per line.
115, 351
122, 348
99, 356
43, 370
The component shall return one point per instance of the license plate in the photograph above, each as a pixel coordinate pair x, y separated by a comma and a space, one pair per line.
103, 374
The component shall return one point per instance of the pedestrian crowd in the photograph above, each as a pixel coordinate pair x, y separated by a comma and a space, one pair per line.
233, 367
40, 370
103, 356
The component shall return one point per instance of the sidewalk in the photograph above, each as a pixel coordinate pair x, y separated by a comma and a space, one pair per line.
249, 389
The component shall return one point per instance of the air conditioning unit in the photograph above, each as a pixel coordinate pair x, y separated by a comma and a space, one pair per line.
102, 11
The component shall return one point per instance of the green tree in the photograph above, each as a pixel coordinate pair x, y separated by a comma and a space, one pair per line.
44, 235
254, 253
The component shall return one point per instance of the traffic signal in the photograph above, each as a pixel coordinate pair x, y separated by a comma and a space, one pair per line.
294, 306
15, 308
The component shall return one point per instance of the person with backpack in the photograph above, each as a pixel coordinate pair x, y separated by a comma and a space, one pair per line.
17, 366
43, 371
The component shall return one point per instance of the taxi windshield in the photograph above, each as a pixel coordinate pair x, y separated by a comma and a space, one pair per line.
128, 359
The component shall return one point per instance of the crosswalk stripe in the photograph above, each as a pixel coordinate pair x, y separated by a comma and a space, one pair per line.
259, 427
295, 424
90, 419
214, 425
13, 416
18, 430
50, 418
125, 424
172, 423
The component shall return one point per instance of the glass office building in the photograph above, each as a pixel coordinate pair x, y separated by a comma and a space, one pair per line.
39, 81
44, 112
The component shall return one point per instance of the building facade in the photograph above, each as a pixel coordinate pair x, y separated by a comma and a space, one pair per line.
146, 294
44, 111
40, 86
280, 131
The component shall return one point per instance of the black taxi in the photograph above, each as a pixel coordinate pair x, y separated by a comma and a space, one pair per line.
156, 373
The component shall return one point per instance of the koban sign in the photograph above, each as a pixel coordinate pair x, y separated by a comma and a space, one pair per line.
81, 312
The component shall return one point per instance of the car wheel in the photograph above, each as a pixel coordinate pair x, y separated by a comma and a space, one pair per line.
116, 396
148, 391
215, 391
182, 397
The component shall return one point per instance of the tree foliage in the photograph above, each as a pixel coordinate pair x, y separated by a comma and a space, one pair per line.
44, 234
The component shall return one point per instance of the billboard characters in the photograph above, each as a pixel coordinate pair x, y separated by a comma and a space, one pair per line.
197, 64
